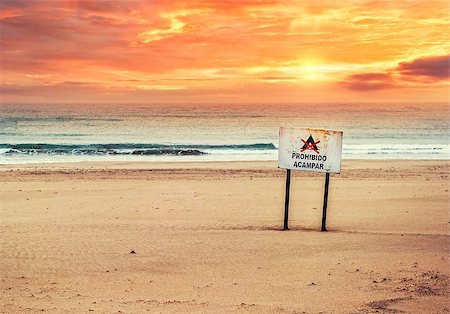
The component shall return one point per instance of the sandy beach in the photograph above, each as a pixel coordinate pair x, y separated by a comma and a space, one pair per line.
207, 238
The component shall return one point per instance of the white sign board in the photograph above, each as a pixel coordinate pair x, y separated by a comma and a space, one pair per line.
310, 150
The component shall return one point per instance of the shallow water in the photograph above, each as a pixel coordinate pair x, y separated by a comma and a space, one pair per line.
215, 132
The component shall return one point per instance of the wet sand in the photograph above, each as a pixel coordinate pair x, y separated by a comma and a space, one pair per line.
207, 238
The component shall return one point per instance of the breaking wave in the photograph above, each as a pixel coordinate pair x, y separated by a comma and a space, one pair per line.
124, 149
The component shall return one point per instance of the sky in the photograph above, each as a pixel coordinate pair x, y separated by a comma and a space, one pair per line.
205, 51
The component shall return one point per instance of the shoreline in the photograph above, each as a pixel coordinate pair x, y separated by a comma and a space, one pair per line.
246, 164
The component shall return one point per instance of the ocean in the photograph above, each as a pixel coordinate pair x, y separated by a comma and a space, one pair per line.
233, 132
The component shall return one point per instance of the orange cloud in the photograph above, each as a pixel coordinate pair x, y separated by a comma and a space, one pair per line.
159, 50
369, 81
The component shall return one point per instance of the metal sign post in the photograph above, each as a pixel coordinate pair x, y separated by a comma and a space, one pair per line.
286, 200
309, 150
325, 202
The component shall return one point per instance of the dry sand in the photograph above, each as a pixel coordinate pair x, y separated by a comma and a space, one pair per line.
207, 238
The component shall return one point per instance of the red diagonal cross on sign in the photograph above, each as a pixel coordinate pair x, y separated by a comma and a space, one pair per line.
310, 146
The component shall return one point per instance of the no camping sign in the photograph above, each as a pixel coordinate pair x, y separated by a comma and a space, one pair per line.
309, 150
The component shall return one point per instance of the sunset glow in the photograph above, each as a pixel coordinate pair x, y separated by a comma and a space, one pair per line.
207, 51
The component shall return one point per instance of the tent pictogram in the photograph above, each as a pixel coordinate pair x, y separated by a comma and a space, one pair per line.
310, 144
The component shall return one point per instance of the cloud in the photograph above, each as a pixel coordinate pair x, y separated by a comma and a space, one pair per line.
7, 4
6, 90
369, 81
175, 27
437, 68
425, 71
